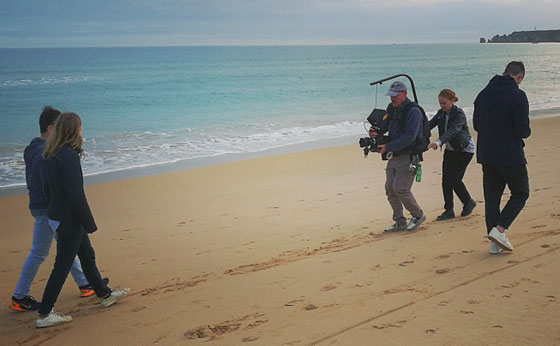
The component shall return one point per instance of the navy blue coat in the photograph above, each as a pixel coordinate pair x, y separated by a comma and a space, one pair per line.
402, 141
35, 173
64, 187
501, 118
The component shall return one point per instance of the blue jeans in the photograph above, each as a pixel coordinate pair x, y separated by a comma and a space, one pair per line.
42, 239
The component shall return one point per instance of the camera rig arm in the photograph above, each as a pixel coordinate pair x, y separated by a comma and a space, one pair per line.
396, 76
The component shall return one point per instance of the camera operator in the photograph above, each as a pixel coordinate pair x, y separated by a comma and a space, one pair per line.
405, 129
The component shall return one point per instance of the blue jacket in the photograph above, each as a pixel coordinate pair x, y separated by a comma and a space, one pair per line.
402, 141
65, 190
501, 118
35, 173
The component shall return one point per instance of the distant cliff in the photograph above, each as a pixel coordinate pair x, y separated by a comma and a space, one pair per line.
526, 36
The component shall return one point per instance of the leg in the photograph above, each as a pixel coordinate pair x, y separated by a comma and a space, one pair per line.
76, 271
493, 185
78, 274
87, 258
394, 201
518, 182
402, 184
40, 247
446, 184
69, 240
460, 167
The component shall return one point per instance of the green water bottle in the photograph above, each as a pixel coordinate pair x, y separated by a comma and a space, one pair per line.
419, 172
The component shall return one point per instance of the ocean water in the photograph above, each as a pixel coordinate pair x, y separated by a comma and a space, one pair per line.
148, 106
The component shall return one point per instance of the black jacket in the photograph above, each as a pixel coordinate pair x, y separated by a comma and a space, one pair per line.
64, 189
457, 133
501, 118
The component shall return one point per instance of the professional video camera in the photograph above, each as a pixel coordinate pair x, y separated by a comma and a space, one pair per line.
378, 120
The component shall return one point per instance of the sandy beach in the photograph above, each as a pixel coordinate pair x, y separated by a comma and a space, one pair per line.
290, 250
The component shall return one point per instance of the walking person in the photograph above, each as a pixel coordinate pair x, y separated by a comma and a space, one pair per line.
42, 233
501, 118
70, 215
407, 141
459, 150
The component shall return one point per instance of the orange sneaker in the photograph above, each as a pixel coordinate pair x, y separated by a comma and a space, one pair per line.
27, 303
87, 290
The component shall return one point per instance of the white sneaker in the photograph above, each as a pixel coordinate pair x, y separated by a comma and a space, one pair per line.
494, 249
52, 319
500, 239
415, 222
114, 296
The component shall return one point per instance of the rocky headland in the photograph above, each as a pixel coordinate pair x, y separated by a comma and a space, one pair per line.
534, 36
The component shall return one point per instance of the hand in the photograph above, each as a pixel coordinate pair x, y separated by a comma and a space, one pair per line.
382, 148
372, 132
433, 145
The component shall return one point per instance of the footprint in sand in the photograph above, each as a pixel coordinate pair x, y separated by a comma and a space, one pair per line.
328, 287
140, 308
405, 263
250, 338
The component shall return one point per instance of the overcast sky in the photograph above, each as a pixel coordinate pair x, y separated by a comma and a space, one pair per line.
97, 23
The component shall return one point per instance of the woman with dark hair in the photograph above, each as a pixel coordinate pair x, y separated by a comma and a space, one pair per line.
459, 150
70, 216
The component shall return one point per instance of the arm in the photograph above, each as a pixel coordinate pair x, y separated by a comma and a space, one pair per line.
521, 117
454, 128
475, 117
435, 120
74, 189
412, 126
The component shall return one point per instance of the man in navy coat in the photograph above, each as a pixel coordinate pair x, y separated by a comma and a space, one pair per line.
501, 118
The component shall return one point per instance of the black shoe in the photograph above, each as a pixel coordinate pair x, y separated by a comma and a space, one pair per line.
448, 214
27, 303
87, 290
396, 227
468, 208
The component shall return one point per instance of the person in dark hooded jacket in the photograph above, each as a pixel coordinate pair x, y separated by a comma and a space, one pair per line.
501, 118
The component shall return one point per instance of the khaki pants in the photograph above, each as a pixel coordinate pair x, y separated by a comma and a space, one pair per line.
397, 187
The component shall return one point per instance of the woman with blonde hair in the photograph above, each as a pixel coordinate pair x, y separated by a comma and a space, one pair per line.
459, 150
70, 216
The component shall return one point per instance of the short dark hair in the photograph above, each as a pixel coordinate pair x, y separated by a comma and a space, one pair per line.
514, 68
47, 118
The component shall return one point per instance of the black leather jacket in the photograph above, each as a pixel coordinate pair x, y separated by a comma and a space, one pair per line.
457, 133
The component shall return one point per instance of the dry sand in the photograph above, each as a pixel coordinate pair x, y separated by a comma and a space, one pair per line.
289, 250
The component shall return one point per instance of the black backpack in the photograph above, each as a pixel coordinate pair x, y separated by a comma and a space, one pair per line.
422, 141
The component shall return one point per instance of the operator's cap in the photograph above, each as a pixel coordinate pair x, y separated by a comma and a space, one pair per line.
396, 88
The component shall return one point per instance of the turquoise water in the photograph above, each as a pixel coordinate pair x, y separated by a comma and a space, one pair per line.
154, 105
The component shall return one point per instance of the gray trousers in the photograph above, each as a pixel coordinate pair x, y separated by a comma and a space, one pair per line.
397, 187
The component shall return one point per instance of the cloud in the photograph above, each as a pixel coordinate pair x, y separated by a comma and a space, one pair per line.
199, 22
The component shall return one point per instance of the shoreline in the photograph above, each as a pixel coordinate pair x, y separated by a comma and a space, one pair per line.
186, 164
